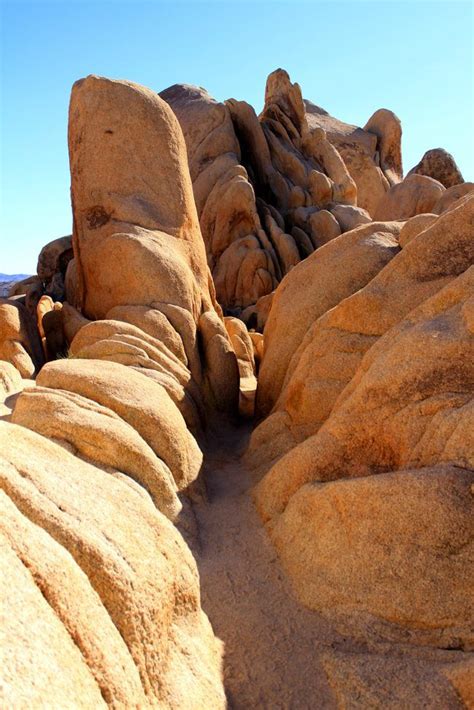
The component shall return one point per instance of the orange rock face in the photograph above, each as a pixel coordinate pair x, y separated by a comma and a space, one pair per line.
106, 434
381, 384
133, 366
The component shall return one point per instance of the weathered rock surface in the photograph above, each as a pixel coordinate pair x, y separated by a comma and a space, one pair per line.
100, 436
259, 185
334, 345
315, 286
10, 378
107, 583
372, 155
451, 196
244, 350
362, 463
417, 194
439, 165
388, 418
370, 680
54, 258
142, 403
235, 243
340, 533
109, 449
414, 226
125, 223
20, 342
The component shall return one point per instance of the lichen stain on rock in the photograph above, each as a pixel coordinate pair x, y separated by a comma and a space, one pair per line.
97, 217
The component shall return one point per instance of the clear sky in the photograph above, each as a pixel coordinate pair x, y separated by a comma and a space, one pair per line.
351, 58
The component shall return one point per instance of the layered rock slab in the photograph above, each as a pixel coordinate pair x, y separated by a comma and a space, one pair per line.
103, 447
334, 345
409, 406
139, 583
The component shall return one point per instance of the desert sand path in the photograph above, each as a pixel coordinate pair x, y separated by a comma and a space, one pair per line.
272, 644
274, 647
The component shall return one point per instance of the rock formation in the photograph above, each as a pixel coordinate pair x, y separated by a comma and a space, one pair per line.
439, 165
380, 383
131, 367
104, 434
371, 154
269, 191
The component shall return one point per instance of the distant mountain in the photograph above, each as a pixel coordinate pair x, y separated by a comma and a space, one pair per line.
13, 277
7, 281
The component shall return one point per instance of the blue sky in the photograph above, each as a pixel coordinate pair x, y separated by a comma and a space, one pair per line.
414, 57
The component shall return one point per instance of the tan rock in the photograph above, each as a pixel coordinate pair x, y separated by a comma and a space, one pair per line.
10, 378
56, 343
414, 226
45, 304
388, 416
142, 403
449, 198
258, 348
71, 284
370, 680
32, 297
79, 538
242, 344
54, 257
97, 434
439, 165
360, 152
417, 194
388, 129
137, 215
70, 622
72, 320
36, 645
225, 198
244, 350
334, 345
222, 373
306, 159
256, 316
20, 343
339, 268
122, 342
340, 566
350, 217
323, 227
153, 322
142, 229
461, 677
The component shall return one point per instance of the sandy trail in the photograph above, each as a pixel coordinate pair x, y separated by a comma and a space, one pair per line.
274, 647
272, 643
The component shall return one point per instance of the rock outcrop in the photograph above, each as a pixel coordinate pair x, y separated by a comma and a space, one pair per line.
105, 436
384, 398
20, 343
330, 348
131, 369
439, 165
372, 154
101, 594
417, 194
269, 191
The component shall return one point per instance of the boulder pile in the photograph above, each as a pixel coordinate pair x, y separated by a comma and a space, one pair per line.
97, 455
225, 265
